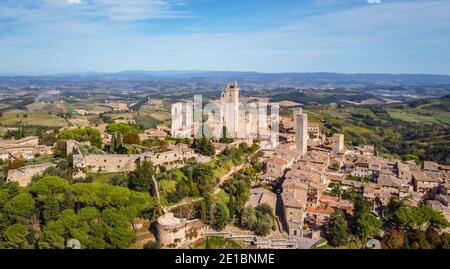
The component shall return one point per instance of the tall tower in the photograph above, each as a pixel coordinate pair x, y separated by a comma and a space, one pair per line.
338, 143
229, 108
301, 130
177, 118
188, 114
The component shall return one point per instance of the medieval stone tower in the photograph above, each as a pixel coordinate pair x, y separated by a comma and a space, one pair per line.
229, 108
301, 130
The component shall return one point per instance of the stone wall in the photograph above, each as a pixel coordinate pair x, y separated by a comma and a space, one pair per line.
127, 163
24, 174
174, 232
103, 163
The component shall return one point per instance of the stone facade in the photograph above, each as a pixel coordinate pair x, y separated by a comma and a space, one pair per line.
229, 108
175, 232
127, 163
26, 147
301, 130
338, 144
182, 119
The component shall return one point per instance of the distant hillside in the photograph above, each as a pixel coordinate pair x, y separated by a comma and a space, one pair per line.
251, 77
400, 79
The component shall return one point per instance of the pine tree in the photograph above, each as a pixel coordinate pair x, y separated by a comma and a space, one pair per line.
51, 209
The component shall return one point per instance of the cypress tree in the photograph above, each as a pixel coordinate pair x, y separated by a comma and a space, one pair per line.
119, 140
112, 145
231, 207
203, 211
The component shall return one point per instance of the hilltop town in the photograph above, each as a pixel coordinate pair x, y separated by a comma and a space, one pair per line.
238, 172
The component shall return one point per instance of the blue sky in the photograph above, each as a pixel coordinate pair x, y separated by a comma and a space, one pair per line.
350, 36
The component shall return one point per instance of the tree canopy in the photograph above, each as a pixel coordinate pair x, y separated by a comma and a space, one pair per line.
52, 211
82, 135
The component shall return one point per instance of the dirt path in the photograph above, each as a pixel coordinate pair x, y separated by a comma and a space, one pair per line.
218, 186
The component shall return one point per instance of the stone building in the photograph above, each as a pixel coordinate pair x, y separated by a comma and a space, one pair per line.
25, 147
314, 129
367, 150
294, 197
175, 232
260, 196
425, 182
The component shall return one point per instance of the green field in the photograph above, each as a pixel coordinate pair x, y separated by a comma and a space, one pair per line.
31, 118
396, 130
412, 116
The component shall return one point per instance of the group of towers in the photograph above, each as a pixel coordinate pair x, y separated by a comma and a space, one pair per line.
301, 134
251, 121
241, 120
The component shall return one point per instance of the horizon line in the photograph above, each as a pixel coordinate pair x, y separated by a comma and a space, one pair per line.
81, 73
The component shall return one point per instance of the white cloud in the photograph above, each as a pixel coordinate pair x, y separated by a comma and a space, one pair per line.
114, 10
73, 2
401, 36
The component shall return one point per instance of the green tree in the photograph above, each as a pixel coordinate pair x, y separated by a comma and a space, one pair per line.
362, 206
131, 138
203, 146
59, 149
113, 143
83, 134
203, 212
248, 218
367, 226
203, 176
16, 236
21, 207
231, 207
141, 179
123, 128
264, 224
220, 217
167, 187
207, 244
336, 229
51, 209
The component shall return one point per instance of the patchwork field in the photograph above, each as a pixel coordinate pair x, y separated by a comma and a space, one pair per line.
13, 118
45, 107
411, 117
79, 122
161, 116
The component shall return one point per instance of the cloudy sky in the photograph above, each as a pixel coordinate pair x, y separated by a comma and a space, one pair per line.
351, 36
